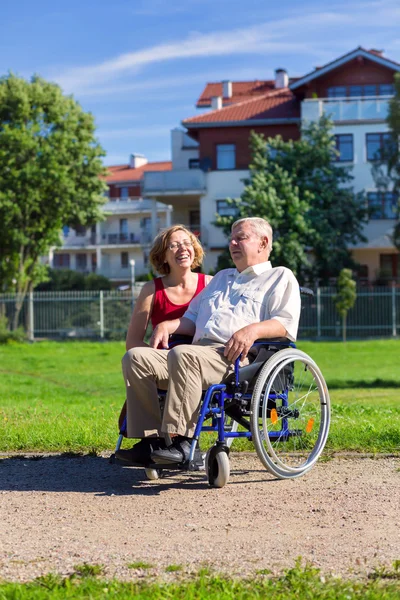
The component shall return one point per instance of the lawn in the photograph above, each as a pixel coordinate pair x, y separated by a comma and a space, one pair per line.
297, 583
67, 396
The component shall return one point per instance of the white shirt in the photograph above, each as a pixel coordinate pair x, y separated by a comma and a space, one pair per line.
233, 300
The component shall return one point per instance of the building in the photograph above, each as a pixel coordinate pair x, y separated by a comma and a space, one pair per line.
210, 156
131, 223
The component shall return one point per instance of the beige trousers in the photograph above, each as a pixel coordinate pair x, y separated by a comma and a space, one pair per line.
184, 372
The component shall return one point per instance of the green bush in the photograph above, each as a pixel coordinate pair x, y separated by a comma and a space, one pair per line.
18, 335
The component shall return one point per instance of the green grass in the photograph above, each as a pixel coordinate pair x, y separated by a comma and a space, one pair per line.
66, 397
297, 583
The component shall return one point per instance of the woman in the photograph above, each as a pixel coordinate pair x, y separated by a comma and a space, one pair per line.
175, 252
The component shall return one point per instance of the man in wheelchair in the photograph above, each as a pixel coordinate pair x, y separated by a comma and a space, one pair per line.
239, 306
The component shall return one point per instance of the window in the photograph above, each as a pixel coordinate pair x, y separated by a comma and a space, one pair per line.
226, 210
386, 89
123, 229
81, 262
194, 163
375, 144
354, 91
370, 90
80, 230
61, 261
124, 193
389, 264
338, 91
65, 230
382, 205
344, 145
226, 156
124, 260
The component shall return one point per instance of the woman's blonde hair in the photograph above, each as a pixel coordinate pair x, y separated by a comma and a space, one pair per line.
160, 247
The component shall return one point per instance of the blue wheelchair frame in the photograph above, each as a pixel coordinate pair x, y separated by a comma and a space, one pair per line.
218, 392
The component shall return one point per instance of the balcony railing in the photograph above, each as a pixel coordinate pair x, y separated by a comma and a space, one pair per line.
108, 239
183, 181
144, 237
131, 205
79, 241
369, 108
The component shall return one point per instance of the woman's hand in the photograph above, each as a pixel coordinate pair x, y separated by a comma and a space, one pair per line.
160, 336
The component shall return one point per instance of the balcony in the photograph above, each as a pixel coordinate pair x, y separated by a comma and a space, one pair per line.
78, 241
131, 205
369, 108
120, 239
107, 239
182, 182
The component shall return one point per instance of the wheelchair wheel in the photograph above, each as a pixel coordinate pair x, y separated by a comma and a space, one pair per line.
290, 413
152, 474
217, 467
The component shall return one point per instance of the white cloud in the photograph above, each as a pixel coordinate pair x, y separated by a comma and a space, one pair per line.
305, 33
258, 39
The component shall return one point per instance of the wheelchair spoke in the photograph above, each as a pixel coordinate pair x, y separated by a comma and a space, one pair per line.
290, 413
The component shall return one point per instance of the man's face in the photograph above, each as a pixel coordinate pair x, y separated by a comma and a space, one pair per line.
246, 247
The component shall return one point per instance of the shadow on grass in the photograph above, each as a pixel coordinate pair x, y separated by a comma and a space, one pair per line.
360, 383
95, 475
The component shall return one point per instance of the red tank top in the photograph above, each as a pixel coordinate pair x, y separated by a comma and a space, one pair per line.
164, 309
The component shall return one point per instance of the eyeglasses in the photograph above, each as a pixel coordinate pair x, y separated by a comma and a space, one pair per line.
176, 245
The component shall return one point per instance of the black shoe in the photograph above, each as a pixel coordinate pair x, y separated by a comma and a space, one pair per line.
177, 452
140, 453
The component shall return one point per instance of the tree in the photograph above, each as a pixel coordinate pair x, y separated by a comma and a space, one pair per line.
386, 168
346, 296
271, 193
305, 194
50, 168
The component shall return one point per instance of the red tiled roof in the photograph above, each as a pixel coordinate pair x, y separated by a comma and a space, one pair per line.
241, 90
277, 104
126, 173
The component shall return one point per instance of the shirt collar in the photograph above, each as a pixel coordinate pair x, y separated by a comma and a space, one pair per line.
256, 269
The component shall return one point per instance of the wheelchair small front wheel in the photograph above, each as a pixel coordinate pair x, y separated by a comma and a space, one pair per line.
217, 466
152, 474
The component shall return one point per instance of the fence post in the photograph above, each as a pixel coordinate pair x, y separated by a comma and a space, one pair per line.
31, 332
318, 312
394, 316
101, 314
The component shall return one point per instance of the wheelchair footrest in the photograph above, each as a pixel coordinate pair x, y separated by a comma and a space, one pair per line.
197, 464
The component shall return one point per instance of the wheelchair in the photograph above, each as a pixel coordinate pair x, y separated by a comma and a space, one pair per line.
280, 402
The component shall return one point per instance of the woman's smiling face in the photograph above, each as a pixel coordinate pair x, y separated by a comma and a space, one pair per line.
180, 251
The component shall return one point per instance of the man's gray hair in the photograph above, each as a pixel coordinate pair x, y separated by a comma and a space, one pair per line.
260, 227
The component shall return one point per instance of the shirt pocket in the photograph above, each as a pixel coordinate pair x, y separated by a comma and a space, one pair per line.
210, 300
251, 306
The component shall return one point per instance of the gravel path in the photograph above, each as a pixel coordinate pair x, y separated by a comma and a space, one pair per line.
56, 512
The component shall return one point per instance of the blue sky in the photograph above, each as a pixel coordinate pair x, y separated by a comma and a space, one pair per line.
139, 66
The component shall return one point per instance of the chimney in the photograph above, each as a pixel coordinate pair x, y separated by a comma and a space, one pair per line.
376, 52
216, 102
137, 160
227, 89
281, 79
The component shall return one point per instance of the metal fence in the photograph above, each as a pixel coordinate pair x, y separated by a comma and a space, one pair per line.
105, 315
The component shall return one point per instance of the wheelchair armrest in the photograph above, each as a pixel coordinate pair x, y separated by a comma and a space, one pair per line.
176, 339
281, 340
306, 291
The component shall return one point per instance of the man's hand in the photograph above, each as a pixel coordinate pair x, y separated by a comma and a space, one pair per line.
160, 336
241, 342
